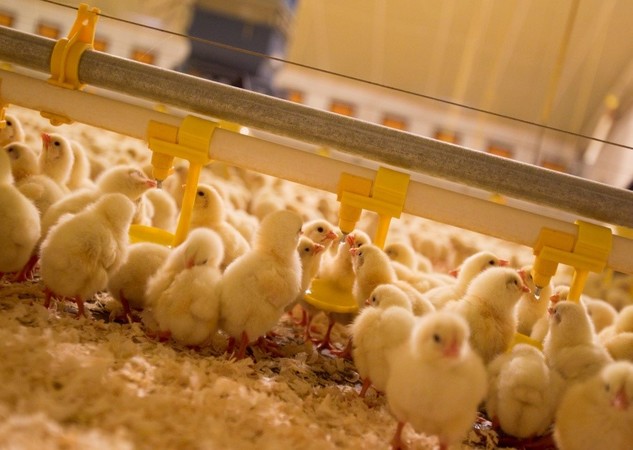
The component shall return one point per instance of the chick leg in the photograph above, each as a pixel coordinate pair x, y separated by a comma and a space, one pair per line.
365, 388
346, 353
241, 351
126, 307
26, 272
326, 342
396, 441
48, 295
81, 311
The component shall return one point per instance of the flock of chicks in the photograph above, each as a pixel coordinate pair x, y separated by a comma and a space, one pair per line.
439, 346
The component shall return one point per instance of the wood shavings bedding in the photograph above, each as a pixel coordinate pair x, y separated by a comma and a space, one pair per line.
98, 384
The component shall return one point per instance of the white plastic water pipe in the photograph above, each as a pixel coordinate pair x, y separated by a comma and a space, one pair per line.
283, 161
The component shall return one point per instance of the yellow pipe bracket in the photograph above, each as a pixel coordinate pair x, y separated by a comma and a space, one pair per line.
190, 141
587, 251
385, 196
67, 52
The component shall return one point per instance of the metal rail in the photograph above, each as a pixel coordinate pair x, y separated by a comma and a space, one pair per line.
541, 186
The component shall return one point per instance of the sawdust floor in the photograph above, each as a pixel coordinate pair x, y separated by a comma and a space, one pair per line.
96, 383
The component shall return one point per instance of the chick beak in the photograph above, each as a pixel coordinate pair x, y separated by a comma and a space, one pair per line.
46, 139
353, 251
367, 302
620, 401
554, 298
349, 239
330, 236
454, 273
503, 262
452, 350
190, 263
318, 248
151, 183
524, 288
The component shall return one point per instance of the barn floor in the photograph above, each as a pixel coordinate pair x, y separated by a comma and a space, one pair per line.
96, 383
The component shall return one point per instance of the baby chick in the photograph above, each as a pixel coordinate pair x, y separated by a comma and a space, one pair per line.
597, 413
385, 323
56, 159
19, 222
436, 381
81, 251
256, 287
571, 346
40, 189
469, 269
523, 392
339, 272
488, 307
372, 268
164, 209
618, 337
23, 160
128, 284
80, 171
13, 131
208, 211
188, 309
124, 179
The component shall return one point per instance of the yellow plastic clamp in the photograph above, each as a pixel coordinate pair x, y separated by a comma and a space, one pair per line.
68, 50
586, 252
386, 198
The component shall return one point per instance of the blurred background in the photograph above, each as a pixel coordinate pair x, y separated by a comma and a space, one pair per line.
528, 80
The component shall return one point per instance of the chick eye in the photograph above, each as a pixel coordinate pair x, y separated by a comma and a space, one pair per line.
436, 338
204, 262
9, 122
200, 194
320, 229
56, 143
374, 300
306, 249
492, 262
607, 387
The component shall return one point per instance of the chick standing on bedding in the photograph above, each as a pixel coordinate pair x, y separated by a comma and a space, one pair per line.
436, 381
571, 346
128, 284
256, 287
81, 251
597, 413
384, 324
488, 307
187, 310
339, 272
56, 159
13, 131
523, 392
208, 211
19, 222
469, 269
